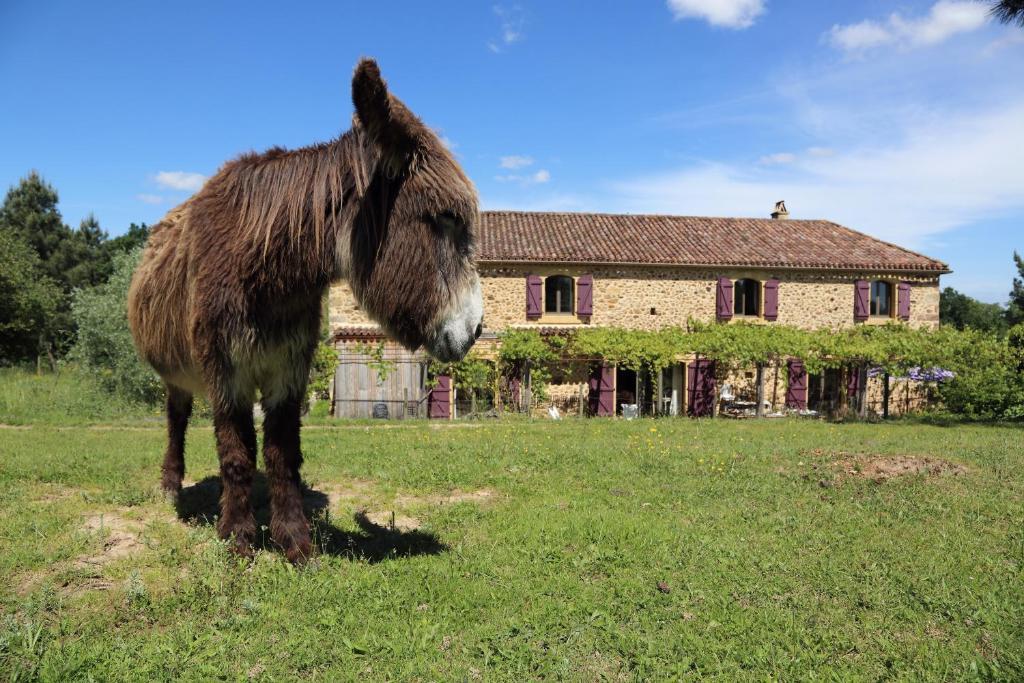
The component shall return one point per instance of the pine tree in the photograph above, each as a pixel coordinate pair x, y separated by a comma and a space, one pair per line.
30, 213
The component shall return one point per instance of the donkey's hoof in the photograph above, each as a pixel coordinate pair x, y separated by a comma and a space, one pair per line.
241, 547
299, 553
171, 494
295, 544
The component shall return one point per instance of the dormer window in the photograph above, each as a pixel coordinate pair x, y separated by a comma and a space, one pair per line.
747, 298
881, 299
558, 295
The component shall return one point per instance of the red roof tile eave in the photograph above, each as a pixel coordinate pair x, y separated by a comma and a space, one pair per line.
936, 268
689, 241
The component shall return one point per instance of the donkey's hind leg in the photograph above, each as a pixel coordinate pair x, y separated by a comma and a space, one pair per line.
179, 409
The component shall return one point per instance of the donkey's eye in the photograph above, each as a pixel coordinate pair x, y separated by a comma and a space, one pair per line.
448, 223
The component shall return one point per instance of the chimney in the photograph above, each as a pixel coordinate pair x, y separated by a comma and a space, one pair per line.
780, 213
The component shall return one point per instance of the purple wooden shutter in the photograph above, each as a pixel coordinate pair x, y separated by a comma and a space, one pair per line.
853, 381
796, 389
723, 300
585, 295
441, 398
534, 305
861, 300
771, 300
701, 376
903, 300
606, 399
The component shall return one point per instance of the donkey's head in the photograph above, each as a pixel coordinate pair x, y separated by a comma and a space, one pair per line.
411, 258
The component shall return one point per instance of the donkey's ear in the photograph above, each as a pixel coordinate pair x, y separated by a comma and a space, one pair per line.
389, 123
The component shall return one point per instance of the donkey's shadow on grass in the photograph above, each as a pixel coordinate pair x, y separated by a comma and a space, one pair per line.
199, 504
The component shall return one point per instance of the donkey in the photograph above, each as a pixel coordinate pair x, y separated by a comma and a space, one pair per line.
227, 297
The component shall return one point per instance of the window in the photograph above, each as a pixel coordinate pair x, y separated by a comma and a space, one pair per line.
881, 298
558, 294
747, 298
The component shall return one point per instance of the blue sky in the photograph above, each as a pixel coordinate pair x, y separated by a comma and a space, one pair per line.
901, 119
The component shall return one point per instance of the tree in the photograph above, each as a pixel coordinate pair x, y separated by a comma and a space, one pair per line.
962, 311
1009, 11
84, 259
30, 212
135, 237
104, 346
28, 300
1015, 306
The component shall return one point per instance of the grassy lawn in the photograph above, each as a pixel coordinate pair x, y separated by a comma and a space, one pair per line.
576, 550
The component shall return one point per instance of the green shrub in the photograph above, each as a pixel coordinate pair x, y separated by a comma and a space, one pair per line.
321, 372
104, 348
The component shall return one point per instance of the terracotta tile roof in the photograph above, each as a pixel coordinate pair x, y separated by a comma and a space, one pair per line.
539, 237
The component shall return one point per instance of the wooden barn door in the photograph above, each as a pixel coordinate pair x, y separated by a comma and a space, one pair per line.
440, 400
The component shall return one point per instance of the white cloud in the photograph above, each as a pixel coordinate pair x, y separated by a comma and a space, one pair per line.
515, 161
861, 36
150, 198
778, 158
945, 19
820, 151
540, 177
512, 21
737, 14
946, 173
180, 180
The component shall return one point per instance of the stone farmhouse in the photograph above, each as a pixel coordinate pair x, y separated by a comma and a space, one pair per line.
558, 271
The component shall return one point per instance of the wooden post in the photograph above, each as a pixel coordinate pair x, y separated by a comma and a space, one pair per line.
775, 384
527, 391
583, 400
760, 389
472, 401
885, 396
405, 402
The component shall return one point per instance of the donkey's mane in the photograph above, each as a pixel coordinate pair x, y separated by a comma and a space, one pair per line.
297, 194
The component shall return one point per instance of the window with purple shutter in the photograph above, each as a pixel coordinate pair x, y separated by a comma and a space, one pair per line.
903, 300
861, 300
534, 305
771, 300
585, 295
723, 299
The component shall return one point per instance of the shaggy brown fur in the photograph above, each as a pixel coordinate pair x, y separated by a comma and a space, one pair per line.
227, 298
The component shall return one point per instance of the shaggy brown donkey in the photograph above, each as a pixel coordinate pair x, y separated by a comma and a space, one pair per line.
227, 297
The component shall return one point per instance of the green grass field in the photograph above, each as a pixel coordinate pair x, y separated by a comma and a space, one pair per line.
581, 550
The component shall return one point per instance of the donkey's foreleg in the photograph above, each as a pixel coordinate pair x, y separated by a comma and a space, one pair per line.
281, 452
179, 408
236, 448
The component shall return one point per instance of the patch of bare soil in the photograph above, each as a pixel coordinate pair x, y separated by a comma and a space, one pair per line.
363, 497
121, 539
387, 519
54, 493
456, 496
881, 468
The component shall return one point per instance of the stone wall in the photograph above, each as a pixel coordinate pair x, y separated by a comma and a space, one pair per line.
652, 298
